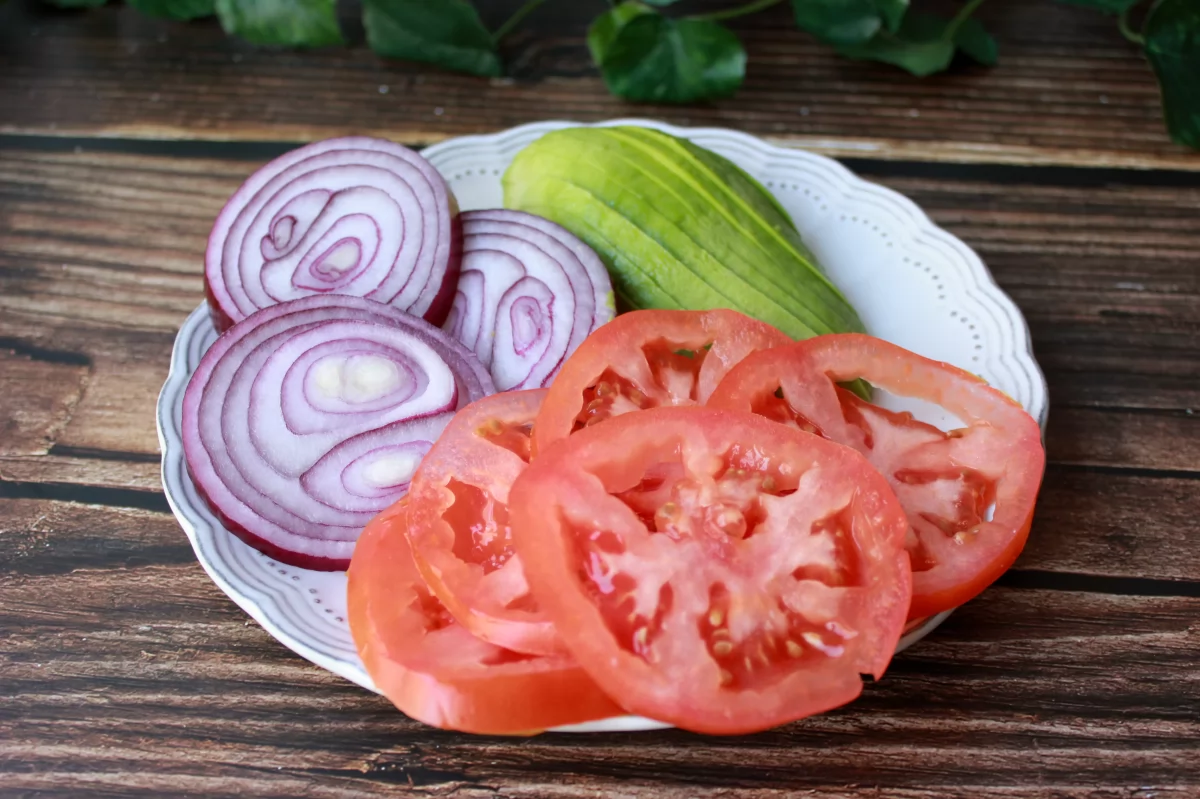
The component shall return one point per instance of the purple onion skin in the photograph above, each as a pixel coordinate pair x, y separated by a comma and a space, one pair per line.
220, 319
213, 471
298, 559
224, 312
443, 301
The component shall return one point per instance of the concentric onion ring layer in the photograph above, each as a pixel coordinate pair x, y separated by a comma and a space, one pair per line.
529, 293
357, 216
308, 418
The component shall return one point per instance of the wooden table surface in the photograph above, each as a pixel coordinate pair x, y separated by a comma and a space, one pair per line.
125, 672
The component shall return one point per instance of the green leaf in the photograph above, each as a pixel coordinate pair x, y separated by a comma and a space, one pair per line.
448, 33
291, 23
1172, 34
892, 12
925, 44
77, 3
920, 46
976, 42
660, 3
175, 9
654, 59
1107, 6
603, 31
841, 21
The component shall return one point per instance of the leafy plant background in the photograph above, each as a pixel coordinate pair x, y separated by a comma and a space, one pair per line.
650, 51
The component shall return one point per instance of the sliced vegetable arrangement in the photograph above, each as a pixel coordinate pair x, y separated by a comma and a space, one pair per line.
678, 512
723, 560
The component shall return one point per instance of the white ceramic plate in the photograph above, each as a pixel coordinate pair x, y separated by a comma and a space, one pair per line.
911, 282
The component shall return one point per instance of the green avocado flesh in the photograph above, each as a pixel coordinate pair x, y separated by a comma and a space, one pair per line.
678, 226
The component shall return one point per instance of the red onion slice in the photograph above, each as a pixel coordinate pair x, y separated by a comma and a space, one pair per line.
357, 216
309, 417
528, 294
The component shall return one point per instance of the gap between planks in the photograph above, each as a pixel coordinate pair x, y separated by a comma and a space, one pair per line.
1022, 578
948, 152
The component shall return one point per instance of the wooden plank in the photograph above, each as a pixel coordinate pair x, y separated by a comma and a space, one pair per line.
36, 400
1074, 531
1084, 436
108, 408
134, 676
1068, 90
1115, 525
140, 471
1087, 522
44, 537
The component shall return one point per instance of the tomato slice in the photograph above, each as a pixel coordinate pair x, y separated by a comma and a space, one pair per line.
648, 359
713, 569
459, 527
435, 671
946, 481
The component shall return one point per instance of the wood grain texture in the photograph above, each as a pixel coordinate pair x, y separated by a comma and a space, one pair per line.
127, 673
1068, 90
37, 400
1116, 525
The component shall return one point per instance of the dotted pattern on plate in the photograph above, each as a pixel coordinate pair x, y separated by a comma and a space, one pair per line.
911, 282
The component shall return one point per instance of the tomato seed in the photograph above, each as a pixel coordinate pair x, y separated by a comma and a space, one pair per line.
491, 427
640, 637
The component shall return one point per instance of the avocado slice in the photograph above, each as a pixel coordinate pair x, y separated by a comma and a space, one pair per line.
678, 226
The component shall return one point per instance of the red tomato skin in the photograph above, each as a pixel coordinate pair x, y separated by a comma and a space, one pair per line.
722, 336
813, 365
555, 575
515, 698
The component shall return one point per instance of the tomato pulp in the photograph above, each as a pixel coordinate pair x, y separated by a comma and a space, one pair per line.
715, 570
648, 359
433, 669
458, 523
969, 493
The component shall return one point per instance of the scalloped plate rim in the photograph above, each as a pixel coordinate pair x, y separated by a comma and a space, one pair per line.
264, 607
